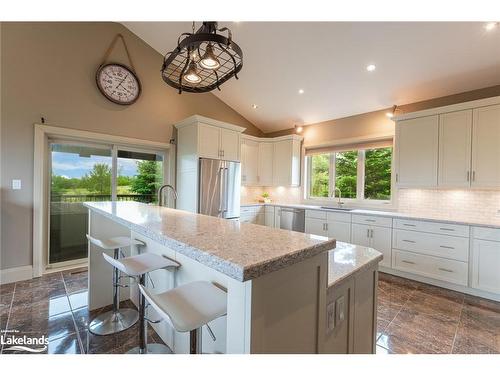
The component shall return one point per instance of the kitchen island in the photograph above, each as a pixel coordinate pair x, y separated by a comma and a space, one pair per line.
276, 280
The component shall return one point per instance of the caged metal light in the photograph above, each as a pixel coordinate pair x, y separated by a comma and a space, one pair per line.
203, 60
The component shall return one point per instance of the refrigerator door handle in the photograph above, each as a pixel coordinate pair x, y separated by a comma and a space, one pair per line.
221, 192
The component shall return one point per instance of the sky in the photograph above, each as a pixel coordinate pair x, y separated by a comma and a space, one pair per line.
72, 165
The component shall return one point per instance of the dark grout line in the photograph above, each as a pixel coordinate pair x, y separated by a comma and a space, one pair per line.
80, 342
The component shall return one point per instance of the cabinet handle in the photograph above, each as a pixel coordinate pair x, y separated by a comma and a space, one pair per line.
371, 220
473, 175
468, 176
410, 241
448, 229
368, 233
326, 226
397, 177
445, 270
407, 261
409, 225
371, 233
447, 247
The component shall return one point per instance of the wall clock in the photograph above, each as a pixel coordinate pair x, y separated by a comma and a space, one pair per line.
118, 83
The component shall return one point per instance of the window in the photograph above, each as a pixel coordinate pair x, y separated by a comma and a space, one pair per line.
362, 174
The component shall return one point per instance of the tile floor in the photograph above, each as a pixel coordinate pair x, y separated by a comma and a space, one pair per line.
419, 318
412, 317
56, 305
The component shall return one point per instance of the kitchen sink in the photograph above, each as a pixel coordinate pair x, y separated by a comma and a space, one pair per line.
337, 208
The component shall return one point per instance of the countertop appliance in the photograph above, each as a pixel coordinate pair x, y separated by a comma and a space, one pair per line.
292, 219
219, 188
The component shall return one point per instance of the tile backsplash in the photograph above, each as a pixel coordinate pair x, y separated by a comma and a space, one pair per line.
460, 205
277, 194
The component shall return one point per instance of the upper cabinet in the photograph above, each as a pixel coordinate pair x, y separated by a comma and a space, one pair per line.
486, 147
455, 132
417, 152
450, 147
208, 138
271, 161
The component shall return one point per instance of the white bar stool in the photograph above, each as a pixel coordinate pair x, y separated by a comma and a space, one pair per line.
117, 319
189, 307
139, 266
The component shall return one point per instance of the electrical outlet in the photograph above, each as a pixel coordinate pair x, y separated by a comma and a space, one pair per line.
330, 316
339, 310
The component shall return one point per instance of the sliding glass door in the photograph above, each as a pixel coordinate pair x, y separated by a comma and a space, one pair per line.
83, 172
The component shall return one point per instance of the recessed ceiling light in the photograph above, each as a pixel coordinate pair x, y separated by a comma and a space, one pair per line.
371, 67
301, 91
255, 106
491, 25
298, 129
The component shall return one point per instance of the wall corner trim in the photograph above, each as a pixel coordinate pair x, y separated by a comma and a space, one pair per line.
11, 275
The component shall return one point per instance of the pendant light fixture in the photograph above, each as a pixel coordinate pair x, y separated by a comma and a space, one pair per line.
203, 60
209, 61
191, 74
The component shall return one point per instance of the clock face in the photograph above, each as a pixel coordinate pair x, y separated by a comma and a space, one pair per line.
118, 83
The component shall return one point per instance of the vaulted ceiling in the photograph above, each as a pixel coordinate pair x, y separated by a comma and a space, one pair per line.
414, 61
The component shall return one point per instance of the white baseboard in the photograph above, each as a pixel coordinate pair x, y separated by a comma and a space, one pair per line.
11, 275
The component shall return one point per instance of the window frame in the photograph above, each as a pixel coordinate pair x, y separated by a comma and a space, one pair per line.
360, 181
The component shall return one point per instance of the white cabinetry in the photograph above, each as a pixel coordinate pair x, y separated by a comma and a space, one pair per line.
201, 137
486, 259
329, 224
373, 236
249, 162
486, 147
271, 161
455, 132
417, 152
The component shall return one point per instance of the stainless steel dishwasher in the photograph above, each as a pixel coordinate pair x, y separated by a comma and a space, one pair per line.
292, 219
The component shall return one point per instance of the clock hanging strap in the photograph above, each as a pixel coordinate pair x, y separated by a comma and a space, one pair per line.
112, 45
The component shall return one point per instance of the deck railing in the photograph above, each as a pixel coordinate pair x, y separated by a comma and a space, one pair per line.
78, 198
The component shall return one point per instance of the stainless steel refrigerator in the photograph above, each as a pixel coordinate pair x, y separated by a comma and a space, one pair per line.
219, 190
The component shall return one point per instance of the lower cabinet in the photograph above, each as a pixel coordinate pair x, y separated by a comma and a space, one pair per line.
316, 226
486, 260
379, 238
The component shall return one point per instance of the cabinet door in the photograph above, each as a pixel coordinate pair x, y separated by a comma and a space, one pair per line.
381, 240
455, 149
341, 231
486, 147
316, 226
282, 163
269, 218
230, 145
417, 152
249, 162
266, 155
208, 142
486, 266
361, 235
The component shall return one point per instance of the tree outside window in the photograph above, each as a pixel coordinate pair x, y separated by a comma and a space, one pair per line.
320, 175
378, 173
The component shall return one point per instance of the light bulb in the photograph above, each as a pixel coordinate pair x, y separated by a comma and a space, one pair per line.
208, 60
389, 114
299, 129
191, 74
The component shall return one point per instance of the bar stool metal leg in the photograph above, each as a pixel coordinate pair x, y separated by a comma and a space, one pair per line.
116, 320
144, 347
195, 341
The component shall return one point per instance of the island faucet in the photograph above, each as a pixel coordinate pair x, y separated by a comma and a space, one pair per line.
340, 203
160, 193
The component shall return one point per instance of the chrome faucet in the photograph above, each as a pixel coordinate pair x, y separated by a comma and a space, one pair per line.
160, 193
340, 203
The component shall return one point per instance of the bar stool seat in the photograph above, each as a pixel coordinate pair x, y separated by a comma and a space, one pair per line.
139, 266
118, 319
189, 307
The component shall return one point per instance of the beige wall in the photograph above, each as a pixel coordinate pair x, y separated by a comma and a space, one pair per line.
48, 69
373, 124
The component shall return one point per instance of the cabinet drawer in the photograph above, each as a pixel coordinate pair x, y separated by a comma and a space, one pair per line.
432, 227
425, 265
248, 210
269, 210
372, 220
316, 214
338, 216
489, 234
432, 244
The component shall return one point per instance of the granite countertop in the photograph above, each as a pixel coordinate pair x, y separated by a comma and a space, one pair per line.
348, 259
240, 250
445, 218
